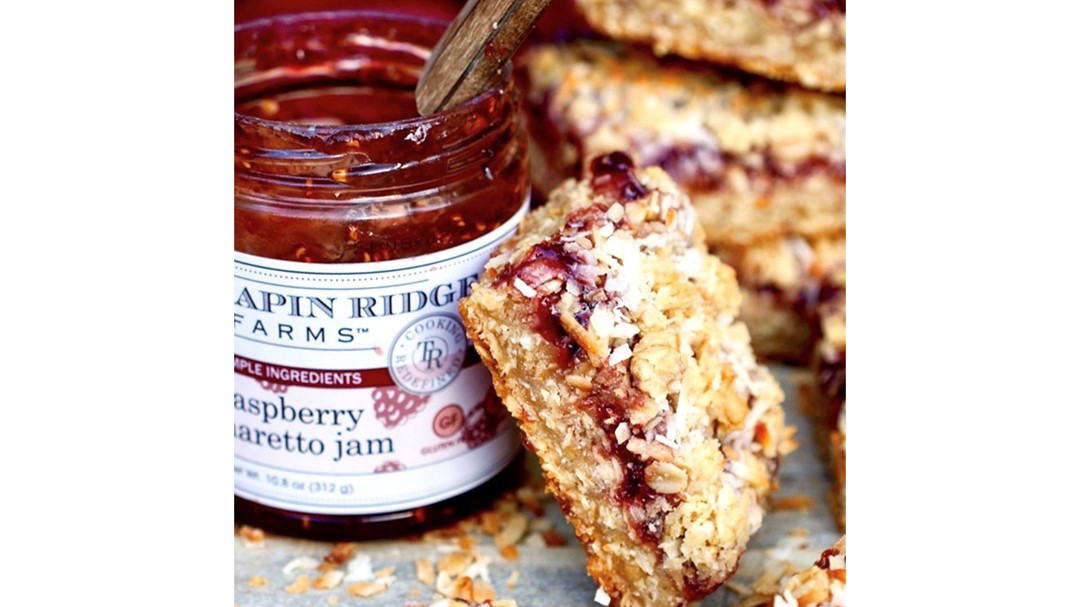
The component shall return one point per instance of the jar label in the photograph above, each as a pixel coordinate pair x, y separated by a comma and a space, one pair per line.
357, 390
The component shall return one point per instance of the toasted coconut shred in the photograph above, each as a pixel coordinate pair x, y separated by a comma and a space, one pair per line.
456, 571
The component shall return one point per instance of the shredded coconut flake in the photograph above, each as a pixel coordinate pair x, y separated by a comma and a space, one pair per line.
617, 283
524, 287
498, 260
689, 263
602, 322
625, 330
300, 562
785, 600
479, 569
616, 212
358, 569
602, 597
743, 382
837, 561
620, 354
654, 241
839, 592
664, 440
681, 411
625, 271
802, 251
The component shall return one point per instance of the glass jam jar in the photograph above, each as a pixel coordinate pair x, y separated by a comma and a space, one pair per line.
361, 409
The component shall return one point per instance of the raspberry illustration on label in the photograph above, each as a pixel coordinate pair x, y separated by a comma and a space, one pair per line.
394, 407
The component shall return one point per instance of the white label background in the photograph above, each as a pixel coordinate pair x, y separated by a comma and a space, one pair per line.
434, 467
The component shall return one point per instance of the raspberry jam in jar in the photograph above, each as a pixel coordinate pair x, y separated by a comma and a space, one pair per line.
360, 407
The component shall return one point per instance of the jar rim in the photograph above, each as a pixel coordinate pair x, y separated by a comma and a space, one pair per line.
375, 128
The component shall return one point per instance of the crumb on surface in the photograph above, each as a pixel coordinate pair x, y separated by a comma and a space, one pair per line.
367, 589
299, 586
257, 581
300, 563
425, 571
253, 536
329, 580
340, 553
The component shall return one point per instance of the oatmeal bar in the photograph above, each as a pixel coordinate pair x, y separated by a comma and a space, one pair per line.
798, 40
611, 337
759, 160
823, 584
829, 403
786, 282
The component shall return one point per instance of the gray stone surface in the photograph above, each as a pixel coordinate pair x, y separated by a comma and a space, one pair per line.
550, 577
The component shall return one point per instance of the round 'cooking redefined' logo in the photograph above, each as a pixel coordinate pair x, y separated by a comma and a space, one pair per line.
428, 354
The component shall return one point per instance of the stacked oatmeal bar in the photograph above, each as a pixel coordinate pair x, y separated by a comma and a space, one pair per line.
763, 162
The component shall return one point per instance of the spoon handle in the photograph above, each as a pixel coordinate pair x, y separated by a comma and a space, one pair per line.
471, 54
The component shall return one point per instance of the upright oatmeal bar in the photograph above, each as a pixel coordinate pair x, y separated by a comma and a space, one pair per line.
802, 41
611, 337
758, 160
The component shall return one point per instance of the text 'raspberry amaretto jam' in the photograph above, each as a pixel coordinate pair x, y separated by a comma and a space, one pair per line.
360, 408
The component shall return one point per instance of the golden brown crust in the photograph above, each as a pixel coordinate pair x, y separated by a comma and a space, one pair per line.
797, 40
611, 338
